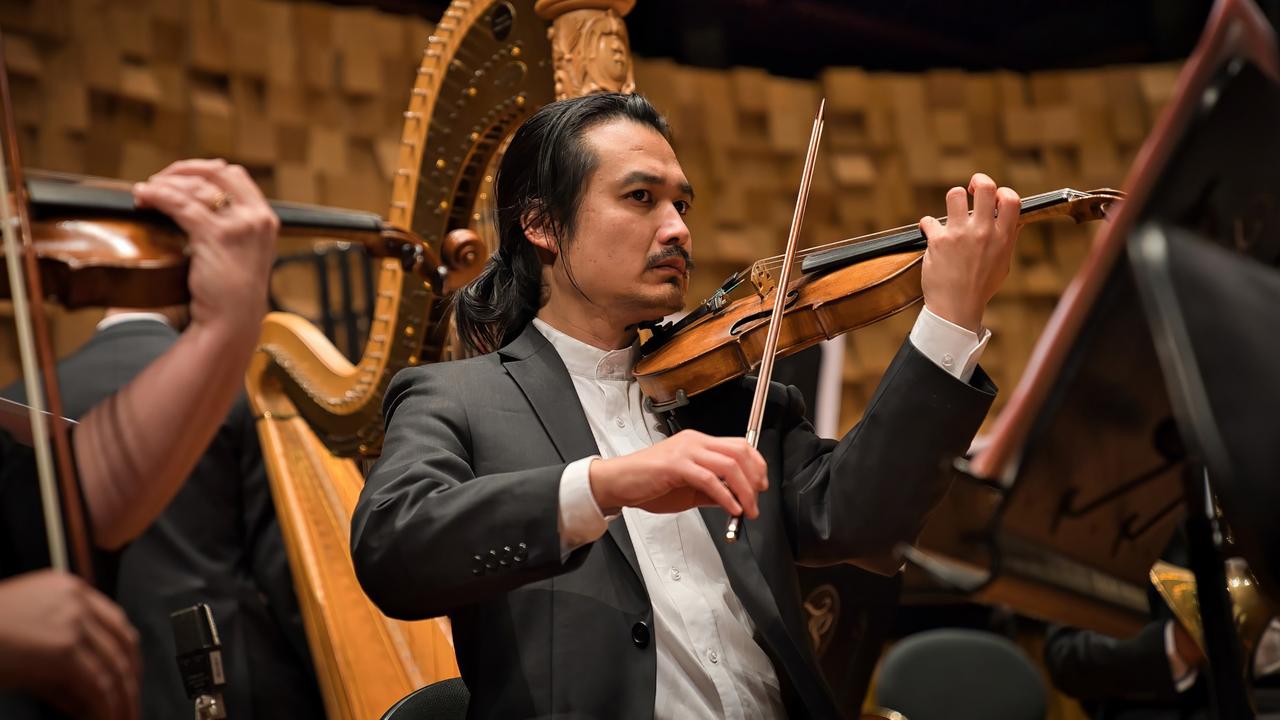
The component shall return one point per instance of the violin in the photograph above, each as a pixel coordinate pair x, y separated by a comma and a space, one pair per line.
96, 249
840, 287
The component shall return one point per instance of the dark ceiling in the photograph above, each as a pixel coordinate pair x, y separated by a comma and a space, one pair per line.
800, 37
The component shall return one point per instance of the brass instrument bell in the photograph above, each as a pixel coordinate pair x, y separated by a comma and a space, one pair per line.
1250, 611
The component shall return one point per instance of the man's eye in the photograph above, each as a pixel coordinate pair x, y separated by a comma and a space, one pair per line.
683, 207
640, 195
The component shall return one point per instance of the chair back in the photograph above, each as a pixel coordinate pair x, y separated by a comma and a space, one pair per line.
955, 674
444, 700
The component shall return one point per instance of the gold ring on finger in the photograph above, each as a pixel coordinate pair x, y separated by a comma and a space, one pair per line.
219, 201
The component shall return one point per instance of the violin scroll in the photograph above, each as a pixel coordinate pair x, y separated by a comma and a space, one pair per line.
1093, 205
465, 253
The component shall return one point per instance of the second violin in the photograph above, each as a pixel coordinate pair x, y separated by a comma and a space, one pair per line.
95, 249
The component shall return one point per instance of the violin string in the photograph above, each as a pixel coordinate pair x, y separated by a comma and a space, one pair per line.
775, 261
13, 407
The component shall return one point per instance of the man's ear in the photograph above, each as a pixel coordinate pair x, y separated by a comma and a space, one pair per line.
535, 229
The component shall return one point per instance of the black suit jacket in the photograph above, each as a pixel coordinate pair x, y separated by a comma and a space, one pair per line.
217, 542
1118, 678
1125, 678
459, 517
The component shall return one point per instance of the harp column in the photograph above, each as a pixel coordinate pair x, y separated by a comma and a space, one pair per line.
589, 45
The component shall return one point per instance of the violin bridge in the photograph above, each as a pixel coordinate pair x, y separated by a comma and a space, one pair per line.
762, 279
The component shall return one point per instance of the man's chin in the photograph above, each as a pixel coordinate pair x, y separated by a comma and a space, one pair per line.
659, 307
675, 302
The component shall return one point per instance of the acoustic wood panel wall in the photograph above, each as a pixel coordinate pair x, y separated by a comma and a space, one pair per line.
309, 97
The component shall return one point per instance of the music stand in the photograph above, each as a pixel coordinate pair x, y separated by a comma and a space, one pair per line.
1208, 309
1063, 513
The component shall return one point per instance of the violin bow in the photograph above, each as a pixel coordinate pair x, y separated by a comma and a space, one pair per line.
36, 352
756, 419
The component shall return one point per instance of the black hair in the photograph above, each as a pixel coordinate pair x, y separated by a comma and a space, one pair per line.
540, 183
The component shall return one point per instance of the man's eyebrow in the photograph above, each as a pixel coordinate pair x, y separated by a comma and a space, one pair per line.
648, 178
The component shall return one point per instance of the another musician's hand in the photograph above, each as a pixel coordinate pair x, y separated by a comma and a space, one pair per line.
968, 258
688, 469
232, 232
66, 643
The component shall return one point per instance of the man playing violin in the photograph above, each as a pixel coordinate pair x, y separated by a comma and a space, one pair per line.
62, 641
575, 539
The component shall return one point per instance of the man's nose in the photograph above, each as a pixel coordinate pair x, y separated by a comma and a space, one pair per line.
674, 231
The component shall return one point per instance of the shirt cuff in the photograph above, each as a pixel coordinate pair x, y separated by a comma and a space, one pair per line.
580, 520
948, 345
1183, 677
1266, 659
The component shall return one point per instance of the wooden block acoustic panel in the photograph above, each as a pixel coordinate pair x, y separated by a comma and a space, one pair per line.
300, 93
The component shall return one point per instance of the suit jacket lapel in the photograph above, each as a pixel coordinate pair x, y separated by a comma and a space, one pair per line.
537, 368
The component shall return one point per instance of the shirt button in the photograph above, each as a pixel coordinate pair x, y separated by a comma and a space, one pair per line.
948, 360
620, 422
675, 574
713, 656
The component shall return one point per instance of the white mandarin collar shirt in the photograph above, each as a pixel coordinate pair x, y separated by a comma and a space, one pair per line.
118, 318
709, 663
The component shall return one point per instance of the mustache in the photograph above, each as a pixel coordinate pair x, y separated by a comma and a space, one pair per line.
668, 252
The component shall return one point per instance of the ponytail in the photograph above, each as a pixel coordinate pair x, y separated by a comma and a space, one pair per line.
494, 308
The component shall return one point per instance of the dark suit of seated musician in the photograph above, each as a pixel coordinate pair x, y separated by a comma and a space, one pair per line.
1158, 673
572, 537
62, 643
218, 542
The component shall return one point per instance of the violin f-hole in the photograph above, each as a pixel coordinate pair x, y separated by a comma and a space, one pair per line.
742, 323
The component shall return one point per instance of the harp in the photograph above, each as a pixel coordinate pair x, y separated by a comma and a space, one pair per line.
487, 66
